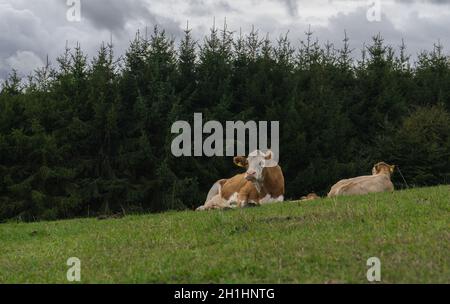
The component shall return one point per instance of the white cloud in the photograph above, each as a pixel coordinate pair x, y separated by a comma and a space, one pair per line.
24, 62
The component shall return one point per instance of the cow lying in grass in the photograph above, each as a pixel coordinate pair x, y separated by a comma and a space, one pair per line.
262, 183
379, 181
310, 197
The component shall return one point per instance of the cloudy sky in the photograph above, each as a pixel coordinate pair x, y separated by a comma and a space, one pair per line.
31, 30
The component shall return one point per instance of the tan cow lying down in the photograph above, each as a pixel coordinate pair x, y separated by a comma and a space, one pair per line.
262, 183
310, 197
379, 181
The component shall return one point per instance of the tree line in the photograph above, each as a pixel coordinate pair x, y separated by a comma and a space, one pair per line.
92, 137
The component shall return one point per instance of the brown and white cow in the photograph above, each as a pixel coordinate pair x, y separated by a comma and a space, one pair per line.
379, 181
263, 183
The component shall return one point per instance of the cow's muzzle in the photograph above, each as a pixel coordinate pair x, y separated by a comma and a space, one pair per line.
250, 175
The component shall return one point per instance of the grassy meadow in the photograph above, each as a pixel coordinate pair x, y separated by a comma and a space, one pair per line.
322, 241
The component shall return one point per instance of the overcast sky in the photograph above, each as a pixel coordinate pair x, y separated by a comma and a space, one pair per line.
31, 30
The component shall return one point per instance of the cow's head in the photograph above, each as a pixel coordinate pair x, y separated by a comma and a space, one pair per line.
255, 164
383, 168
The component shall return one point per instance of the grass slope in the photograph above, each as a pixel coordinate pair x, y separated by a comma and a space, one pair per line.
313, 242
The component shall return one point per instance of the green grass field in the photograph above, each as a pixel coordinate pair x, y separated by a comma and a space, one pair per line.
293, 242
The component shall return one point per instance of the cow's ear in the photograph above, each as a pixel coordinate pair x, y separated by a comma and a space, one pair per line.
241, 161
392, 168
377, 168
269, 155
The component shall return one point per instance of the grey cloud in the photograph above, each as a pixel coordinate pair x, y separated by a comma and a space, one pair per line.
419, 36
22, 40
424, 1
31, 30
291, 6
208, 8
41, 28
113, 15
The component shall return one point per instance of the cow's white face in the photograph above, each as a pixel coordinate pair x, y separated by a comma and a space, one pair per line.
255, 164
